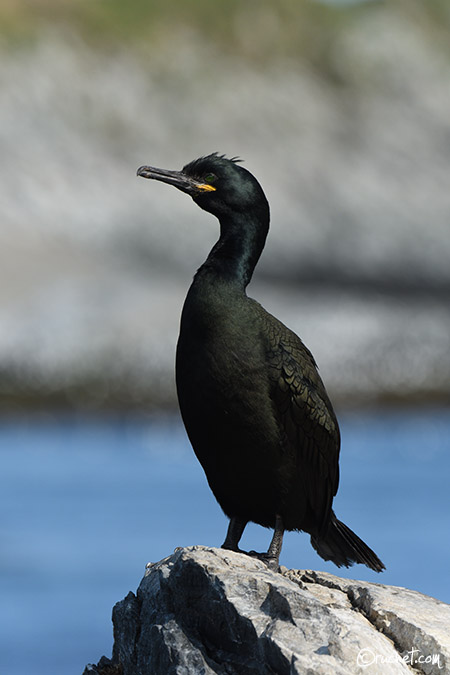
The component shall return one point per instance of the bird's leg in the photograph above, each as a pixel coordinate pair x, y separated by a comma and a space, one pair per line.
272, 557
234, 533
274, 549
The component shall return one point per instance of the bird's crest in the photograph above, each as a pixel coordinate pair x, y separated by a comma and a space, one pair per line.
213, 157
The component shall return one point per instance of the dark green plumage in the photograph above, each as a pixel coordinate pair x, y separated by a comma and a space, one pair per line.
253, 403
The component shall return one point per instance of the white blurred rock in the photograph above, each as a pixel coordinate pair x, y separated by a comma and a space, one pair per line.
94, 262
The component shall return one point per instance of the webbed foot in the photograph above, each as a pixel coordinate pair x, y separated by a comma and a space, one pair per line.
271, 561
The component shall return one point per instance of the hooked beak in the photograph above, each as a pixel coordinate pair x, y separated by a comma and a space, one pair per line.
178, 179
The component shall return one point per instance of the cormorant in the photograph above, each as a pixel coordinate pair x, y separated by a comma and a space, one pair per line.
252, 401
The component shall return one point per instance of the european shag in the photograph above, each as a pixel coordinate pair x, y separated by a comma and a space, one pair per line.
251, 398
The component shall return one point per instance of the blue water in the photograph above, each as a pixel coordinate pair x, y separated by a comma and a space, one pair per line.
86, 504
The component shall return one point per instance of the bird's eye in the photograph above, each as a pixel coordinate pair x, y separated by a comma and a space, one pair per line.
210, 178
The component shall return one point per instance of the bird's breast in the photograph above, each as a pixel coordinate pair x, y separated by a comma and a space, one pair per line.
218, 347
221, 370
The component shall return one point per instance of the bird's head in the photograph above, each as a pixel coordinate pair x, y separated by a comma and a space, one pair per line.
217, 184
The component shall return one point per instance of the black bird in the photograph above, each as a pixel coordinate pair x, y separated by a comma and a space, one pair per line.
252, 401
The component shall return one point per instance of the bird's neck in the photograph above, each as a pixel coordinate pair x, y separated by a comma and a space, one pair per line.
235, 255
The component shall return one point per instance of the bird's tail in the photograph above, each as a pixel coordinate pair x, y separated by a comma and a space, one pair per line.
343, 547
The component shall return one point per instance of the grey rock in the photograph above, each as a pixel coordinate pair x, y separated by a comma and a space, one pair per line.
204, 610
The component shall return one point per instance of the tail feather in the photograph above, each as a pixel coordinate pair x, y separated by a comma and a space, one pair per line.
343, 547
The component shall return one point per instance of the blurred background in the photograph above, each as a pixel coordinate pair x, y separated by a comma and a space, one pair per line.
341, 110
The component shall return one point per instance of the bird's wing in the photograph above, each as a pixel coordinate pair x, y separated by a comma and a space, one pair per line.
308, 424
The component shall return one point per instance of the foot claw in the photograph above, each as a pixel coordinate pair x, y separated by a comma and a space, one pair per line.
269, 560
236, 549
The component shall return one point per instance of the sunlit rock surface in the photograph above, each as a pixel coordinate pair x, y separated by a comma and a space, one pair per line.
204, 610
